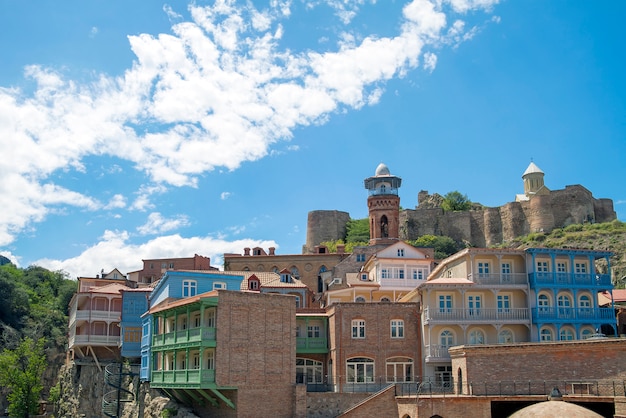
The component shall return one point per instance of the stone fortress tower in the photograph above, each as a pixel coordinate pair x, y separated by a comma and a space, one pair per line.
538, 209
383, 206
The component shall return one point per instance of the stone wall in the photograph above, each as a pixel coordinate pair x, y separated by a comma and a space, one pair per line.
325, 225
331, 404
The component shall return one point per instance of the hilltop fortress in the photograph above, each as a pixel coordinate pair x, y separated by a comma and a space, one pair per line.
538, 209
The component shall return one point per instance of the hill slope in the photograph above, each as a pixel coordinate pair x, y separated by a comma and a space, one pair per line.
608, 236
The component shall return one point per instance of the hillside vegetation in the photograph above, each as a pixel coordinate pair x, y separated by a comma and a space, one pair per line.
608, 236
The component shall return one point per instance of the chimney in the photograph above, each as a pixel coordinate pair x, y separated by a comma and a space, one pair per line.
341, 248
272, 250
246, 251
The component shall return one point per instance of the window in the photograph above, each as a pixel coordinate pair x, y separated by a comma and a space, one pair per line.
561, 267
400, 273
360, 257
400, 252
445, 303
313, 331
298, 332
190, 287
294, 272
586, 333
253, 284
542, 266
210, 318
474, 303
297, 301
584, 302
446, 338
196, 320
399, 369
476, 336
566, 334
397, 328
419, 273
384, 274
358, 328
545, 334
132, 335
219, 285
385, 299
504, 303
360, 370
364, 277
543, 302
505, 336
309, 371
195, 359
506, 271
171, 265
359, 299
284, 278
565, 306
210, 359
483, 269
580, 268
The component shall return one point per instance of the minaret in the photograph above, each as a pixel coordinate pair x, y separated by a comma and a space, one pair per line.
383, 205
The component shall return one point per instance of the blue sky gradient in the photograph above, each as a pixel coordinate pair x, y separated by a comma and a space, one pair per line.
146, 130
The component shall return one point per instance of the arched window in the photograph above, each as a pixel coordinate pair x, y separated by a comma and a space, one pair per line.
385, 299
586, 333
584, 304
384, 227
543, 302
359, 299
294, 272
564, 302
360, 370
446, 338
476, 336
505, 336
545, 334
566, 334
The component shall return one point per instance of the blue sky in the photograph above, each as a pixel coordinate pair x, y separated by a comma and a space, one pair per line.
135, 130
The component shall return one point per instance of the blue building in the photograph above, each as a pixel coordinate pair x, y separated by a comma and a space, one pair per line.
564, 286
175, 285
134, 305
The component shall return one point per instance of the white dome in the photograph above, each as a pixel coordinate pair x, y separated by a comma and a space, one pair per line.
382, 170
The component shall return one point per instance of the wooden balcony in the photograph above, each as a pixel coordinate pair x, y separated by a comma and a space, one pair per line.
600, 281
311, 345
451, 316
188, 378
91, 316
584, 315
191, 337
94, 340
504, 279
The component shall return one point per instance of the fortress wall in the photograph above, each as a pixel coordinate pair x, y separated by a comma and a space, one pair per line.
513, 220
477, 227
492, 226
415, 223
572, 205
540, 216
325, 225
604, 211
457, 225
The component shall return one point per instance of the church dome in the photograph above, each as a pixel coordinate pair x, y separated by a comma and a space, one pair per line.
555, 409
382, 170
532, 169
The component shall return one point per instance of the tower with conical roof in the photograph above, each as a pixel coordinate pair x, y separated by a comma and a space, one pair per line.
383, 206
533, 179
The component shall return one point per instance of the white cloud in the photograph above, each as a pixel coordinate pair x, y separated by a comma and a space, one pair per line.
225, 195
216, 92
117, 202
114, 251
157, 224
430, 61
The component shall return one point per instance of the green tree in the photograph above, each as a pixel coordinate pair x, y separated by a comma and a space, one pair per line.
444, 246
357, 230
455, 201
21, 371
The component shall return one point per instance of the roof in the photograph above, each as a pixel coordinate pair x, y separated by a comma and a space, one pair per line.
112, 289
382, 170
532, 169
266, 278
619, 297
173, 303
447, 281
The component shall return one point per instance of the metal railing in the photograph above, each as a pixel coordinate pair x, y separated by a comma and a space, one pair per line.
498, 279
601, 280
569, 314
587, 387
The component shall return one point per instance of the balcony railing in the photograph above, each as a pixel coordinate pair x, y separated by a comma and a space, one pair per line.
305, 344
556, 278
476, 315
103, 340
91, 315
504, 279
189, 335
551, 313
436, 352
185, 377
